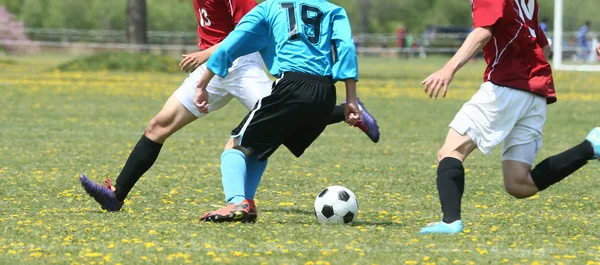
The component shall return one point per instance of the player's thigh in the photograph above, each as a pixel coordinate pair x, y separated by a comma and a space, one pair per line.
456, 145
490, 115
529, 128
520, 147
518, 154
217, 94
172, 117
301, 138
516, 168
264, 128
297, 101
248, 84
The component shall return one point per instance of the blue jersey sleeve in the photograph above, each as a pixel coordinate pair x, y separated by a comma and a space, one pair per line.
250, 35
346, 66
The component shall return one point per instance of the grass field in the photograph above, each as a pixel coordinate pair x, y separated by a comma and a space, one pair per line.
55, 125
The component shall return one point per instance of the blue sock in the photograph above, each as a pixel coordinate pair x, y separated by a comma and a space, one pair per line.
254, 172
233, 171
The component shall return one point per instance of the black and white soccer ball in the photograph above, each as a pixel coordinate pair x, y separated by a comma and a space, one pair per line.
336, 205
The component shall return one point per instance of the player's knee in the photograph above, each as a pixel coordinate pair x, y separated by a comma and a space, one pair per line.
157, 130
518, 186
247, 152
516, 192
443, 153
440, 155
230, 144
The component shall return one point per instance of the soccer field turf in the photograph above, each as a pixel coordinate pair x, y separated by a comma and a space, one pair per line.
55, 125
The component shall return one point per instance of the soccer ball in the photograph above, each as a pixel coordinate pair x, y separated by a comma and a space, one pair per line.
336, 205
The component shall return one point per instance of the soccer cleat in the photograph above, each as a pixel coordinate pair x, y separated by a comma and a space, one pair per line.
244, 212
368, 124
594, 138
104, 195
443, 228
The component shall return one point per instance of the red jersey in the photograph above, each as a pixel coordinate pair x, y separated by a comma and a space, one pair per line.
217, 18
514, 54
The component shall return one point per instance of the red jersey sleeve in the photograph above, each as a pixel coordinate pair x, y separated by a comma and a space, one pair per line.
198, 30
541, 38
487, 12
239, 8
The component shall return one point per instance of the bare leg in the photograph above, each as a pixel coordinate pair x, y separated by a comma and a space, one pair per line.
172, 117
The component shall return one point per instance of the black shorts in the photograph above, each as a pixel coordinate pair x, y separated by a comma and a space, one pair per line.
295, 114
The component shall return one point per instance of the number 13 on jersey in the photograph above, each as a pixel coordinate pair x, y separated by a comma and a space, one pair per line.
310, 23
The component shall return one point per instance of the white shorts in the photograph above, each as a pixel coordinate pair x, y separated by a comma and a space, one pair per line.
246, 81
497, 114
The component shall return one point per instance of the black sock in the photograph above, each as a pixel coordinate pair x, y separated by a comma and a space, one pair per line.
337, 115
555, 168
142, 157
451, 185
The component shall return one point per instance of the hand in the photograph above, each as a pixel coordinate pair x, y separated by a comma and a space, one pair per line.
201, 100
351, 112
191, 61
440, 79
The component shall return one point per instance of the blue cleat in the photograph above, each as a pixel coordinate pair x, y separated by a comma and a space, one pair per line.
102, 194
594, 138
443, 228
368, 124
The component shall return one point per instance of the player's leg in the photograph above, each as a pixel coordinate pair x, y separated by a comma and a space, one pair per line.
522, 182
272, 121
466, 134
177, 112
171, 118
450, 181
235, 165
248, 84
368, 125
520, 148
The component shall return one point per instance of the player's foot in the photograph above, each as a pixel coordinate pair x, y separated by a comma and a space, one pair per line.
594, 138
443, 228
368, 124
104, 195
243, 212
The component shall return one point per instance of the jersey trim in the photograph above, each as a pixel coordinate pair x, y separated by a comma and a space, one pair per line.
498, 56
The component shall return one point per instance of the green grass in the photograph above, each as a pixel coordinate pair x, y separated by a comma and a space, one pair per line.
122, 61
55, 125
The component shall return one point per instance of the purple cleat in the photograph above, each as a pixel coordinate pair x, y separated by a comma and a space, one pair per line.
368, 124
102, 194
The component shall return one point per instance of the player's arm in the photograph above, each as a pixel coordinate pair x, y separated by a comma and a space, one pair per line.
476, 40
542, 39
191, 61
485, 14
598, 49
543, 42
346, 66
547, 51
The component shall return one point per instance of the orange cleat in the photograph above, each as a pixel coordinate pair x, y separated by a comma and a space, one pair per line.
244, 212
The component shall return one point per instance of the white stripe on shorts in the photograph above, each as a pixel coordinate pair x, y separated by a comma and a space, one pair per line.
241, 133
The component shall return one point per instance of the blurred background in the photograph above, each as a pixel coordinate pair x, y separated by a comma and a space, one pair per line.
406, 28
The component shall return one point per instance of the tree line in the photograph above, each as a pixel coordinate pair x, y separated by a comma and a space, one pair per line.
373, 16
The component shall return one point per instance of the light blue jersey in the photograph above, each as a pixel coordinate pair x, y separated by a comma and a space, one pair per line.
292, 36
